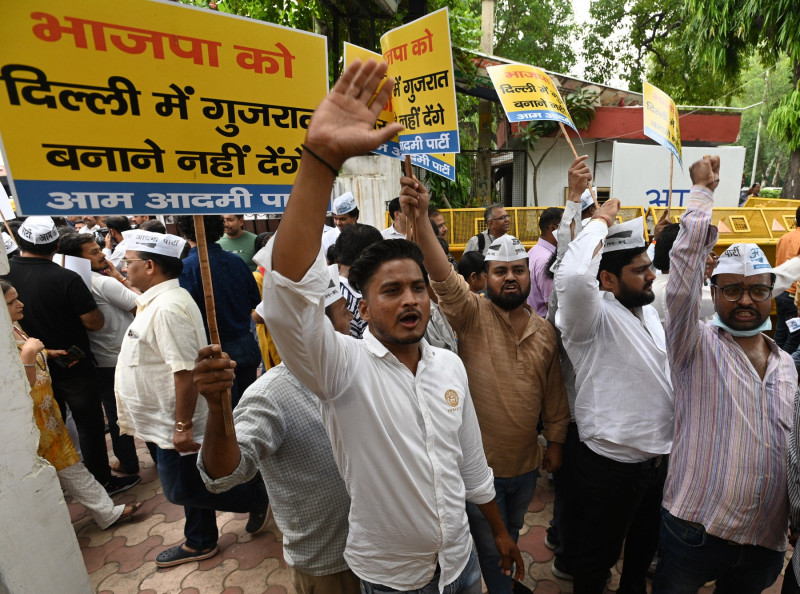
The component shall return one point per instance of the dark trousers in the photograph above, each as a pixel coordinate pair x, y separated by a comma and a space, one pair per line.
245, 351
619, 503
690, 557
785, 310
565, 525
123, 445
790, 585
184, 486
81, 395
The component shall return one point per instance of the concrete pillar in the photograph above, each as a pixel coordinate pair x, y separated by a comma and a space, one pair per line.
38, 548
374, 180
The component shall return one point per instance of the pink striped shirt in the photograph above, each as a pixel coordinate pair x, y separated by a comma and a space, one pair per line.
728, 463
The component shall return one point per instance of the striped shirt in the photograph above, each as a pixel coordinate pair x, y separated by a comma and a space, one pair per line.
794, 481
727, 470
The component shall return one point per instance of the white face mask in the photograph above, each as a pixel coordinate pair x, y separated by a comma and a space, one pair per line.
765, 327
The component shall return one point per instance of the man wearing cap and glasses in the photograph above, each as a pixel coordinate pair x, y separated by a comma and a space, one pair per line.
497, 225
512, 362
157, 400
623, 404
724, 514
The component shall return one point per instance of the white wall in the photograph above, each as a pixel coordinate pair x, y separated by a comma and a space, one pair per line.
38, 548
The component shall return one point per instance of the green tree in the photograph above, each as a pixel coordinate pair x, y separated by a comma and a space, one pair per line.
729, 32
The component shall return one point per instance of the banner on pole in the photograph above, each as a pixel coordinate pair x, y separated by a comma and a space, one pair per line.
424, 97
661, 120
528, 94
146, 107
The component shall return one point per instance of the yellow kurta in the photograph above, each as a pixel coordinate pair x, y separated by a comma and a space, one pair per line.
55, 445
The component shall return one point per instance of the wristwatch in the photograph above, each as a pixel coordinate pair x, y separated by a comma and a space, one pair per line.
180, 426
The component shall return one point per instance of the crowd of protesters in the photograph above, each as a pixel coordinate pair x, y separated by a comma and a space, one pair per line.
407, 404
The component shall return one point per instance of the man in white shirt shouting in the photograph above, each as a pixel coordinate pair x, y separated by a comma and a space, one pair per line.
402, 424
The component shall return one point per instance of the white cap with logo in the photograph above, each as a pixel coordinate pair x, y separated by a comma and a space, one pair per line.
9, 242
38, 230
344, 204
506, 249
746, 259
163, 244
586, 199
625, 236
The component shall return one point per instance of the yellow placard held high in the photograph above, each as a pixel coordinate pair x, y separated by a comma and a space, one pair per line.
528, 94
144, 107
424, 98
661, 120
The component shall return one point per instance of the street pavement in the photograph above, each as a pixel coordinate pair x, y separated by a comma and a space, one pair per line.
121, 560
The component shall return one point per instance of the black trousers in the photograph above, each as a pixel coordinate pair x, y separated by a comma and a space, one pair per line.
81, 395
567, 503
123, 445
619, 503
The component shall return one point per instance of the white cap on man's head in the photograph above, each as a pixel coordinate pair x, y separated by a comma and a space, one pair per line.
9, 242
344, 204
625, 236
586, 199
746, 259
38, 230
506, 249
163, 244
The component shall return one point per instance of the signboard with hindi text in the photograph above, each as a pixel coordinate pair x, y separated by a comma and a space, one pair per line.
424, 97
443, 164
149, 107
661, 120
528, 94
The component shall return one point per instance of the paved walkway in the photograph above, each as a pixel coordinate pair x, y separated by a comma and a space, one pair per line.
121, 560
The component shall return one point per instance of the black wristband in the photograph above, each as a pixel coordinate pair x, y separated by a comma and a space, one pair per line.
321, 160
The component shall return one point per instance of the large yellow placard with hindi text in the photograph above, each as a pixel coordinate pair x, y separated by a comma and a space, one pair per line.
148, 107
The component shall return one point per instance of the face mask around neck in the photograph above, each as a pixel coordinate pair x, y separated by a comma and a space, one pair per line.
765, 327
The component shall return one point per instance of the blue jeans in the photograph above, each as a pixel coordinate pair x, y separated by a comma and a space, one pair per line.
690, 557
469, 582
513, 495
184, 486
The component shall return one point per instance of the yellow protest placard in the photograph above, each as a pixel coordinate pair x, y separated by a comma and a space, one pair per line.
424, 97
661, 120
144, 107
528, 94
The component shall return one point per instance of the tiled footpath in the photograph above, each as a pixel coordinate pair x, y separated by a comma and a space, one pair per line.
121, 560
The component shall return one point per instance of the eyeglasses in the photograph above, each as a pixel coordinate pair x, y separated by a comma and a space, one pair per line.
733, 293
124, 261
505, 217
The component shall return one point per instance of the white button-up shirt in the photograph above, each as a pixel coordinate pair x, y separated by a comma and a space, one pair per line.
624, 406
391, 233
408, 446
162, 340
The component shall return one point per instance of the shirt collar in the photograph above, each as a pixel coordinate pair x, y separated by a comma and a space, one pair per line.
145, 298
546, 245
377, 348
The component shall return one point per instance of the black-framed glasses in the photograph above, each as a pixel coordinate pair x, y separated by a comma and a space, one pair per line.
733, 293
124, 261
505, 217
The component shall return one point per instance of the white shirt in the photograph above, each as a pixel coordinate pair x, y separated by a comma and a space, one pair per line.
328, 239
408, 446
163, 339
116, 302
624, 406
660, 303
391, 233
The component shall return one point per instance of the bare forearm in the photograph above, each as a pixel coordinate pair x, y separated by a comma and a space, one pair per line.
220, 452
435, 259
492, 514
185, 396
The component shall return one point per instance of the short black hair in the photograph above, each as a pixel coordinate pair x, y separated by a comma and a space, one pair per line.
433, 211
261, 240
615, 261
664, 244
119, 223
153, 225
171, 267
551, 216
214, 225
362, 271
40, 249
797, 217
72, 244
394, 206
487, 214
331, 254
353, 240
471, 262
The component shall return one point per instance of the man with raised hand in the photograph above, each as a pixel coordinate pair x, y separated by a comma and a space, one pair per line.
511, 357
623, 407
725, 512
398, 411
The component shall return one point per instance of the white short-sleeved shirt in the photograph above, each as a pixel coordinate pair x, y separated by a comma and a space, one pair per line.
116, 302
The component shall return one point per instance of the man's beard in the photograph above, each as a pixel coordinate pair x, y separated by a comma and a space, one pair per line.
508, 302
631, 299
